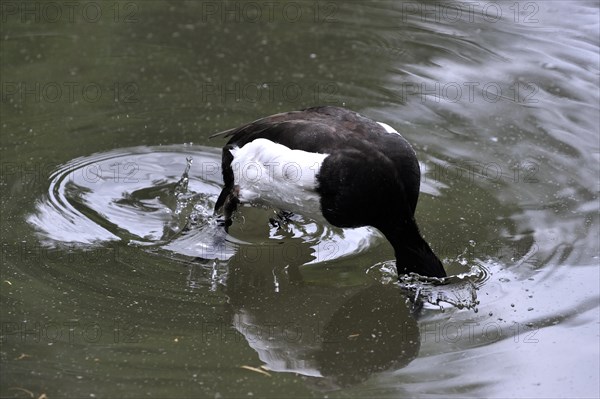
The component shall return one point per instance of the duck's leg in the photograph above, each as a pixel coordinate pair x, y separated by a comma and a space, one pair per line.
228, 202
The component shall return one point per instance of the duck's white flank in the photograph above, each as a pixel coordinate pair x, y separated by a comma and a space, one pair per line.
388, 128
272, 174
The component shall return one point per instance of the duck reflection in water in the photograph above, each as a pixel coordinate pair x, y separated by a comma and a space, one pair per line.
340, 335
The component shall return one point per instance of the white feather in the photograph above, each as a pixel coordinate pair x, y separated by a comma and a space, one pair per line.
272, 174
388, 128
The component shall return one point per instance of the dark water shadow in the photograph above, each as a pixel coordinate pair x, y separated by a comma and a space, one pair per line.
339, 334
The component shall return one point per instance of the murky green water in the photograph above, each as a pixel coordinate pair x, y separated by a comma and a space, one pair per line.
117, 282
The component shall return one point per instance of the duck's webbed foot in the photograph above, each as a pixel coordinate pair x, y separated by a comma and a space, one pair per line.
280, 219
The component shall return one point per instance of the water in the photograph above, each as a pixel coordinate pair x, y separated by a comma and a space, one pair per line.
117, 280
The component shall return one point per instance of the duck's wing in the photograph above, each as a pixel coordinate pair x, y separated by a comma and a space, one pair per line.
316, 129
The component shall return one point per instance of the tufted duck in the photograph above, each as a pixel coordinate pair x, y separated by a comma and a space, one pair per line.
334, 164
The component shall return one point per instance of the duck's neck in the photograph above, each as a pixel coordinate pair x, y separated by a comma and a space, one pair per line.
413, 253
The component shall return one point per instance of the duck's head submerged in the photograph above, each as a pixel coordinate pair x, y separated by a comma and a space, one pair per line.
413, 253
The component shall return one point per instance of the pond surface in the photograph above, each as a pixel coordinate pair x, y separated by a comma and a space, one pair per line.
117, 280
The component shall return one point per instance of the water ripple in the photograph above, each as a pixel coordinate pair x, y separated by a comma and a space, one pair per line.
163, 198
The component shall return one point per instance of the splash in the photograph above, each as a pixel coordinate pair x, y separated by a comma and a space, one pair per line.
459, 291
